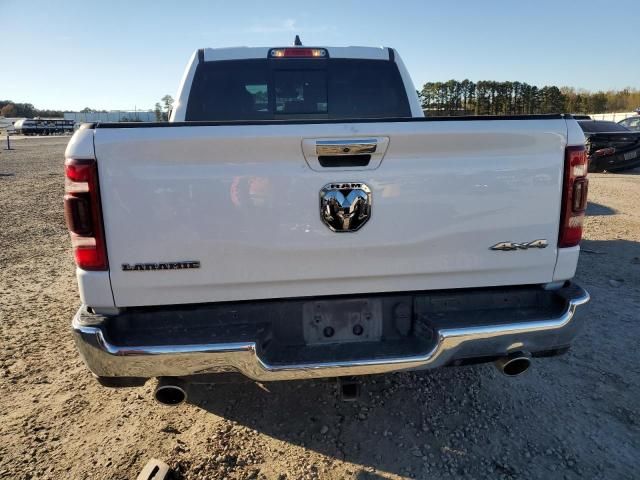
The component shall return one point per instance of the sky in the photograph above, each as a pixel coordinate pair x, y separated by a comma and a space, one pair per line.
126, 54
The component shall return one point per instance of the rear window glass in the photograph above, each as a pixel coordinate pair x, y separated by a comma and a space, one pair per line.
234, 91
300, 92
366, 88
595, 126
281, 89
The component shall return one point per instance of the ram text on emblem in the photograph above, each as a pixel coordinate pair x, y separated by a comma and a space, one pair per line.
346, 206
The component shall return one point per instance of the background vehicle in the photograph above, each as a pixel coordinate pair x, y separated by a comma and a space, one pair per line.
299, 217
610, 146
43, 126
632, 123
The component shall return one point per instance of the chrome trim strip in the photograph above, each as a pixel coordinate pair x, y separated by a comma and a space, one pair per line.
106, 359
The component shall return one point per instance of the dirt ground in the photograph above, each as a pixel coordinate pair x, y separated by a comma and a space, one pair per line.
575, 416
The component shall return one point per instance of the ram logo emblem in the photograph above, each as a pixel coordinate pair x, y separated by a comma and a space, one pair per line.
510, 246
345, 207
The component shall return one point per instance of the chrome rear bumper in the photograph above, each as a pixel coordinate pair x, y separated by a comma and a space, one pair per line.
450, 342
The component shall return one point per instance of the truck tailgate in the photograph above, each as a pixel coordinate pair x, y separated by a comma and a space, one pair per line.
243, 201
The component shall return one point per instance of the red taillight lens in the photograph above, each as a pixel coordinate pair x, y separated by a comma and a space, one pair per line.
574, 196
80, 170
83, 214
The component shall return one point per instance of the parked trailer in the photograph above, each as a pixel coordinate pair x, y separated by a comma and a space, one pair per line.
43, 126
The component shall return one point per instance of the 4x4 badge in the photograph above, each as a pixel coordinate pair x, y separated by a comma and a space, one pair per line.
509, 246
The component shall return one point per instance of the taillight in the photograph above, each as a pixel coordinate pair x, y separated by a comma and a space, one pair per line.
83, 214
574, 196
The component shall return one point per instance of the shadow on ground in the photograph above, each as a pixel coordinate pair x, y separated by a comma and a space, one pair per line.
401, 422
604, 260
596, 209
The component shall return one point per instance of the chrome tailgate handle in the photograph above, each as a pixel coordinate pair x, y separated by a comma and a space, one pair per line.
364, 152
346, 147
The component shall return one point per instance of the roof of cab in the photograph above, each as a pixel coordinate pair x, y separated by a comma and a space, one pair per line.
243, 53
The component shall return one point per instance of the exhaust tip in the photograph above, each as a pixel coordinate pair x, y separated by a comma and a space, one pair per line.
514, 364
170, 393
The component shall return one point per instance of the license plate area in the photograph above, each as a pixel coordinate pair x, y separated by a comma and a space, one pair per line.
342, 321
631, 155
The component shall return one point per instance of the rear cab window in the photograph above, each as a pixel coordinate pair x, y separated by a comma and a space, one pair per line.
280, 89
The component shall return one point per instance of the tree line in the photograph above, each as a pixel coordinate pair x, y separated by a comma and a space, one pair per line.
12, 109
513, 98
452, 98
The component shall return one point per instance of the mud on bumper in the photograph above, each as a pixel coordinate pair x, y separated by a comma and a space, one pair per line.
266, 340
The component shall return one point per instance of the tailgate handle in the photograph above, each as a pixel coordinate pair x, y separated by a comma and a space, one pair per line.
364, 152
350, 147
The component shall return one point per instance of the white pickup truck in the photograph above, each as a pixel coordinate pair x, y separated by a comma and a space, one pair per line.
299, 217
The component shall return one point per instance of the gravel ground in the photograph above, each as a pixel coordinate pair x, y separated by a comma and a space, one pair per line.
574, 416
